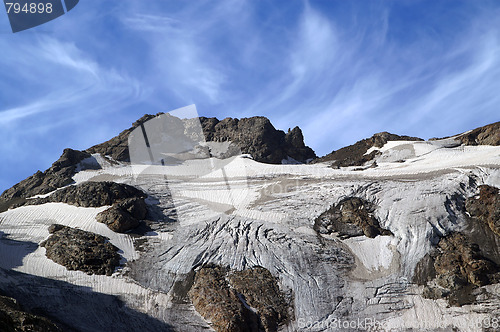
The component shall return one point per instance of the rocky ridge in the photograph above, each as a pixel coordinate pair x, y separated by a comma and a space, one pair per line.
91, 194
258, 137
57, 176
486, 135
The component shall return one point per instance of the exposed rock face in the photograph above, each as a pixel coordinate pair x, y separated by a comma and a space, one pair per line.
260, 291
258, 137
351, 217
250, 301
128, 205
486, 207
354, 155
57, 176
14, 319
92, 194
459, 266
460, 262
486, 135
255, 136
80, 250
216, 301
125, 215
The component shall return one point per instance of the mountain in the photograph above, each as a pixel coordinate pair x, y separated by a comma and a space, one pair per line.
255, 136
392, 232
356, 154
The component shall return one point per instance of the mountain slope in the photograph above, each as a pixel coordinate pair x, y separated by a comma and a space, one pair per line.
410, 244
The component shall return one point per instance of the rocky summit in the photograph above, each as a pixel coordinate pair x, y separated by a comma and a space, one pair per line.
392, 233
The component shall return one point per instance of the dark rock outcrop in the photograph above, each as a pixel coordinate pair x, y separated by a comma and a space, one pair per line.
128, 205
92, 194
351, 217
486, 135
255, 136
57, 176
125, 215
249, 301
486, 207
81, 250
354, 155
258, 137
14, 319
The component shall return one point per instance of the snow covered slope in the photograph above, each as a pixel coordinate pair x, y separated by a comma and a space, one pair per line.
263, 215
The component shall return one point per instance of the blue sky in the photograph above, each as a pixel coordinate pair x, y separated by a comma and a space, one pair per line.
341, 70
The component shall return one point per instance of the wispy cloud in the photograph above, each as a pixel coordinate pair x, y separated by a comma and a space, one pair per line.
341, 70
74, 82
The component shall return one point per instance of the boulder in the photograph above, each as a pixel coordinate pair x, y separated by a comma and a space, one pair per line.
353, 216
81, 250
217, 302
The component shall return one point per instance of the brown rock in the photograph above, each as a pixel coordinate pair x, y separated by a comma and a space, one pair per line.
486, 207
486, 135
14, 319
217, 302
260, 290
248, 300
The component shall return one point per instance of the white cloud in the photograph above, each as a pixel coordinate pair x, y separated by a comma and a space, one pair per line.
67, 80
